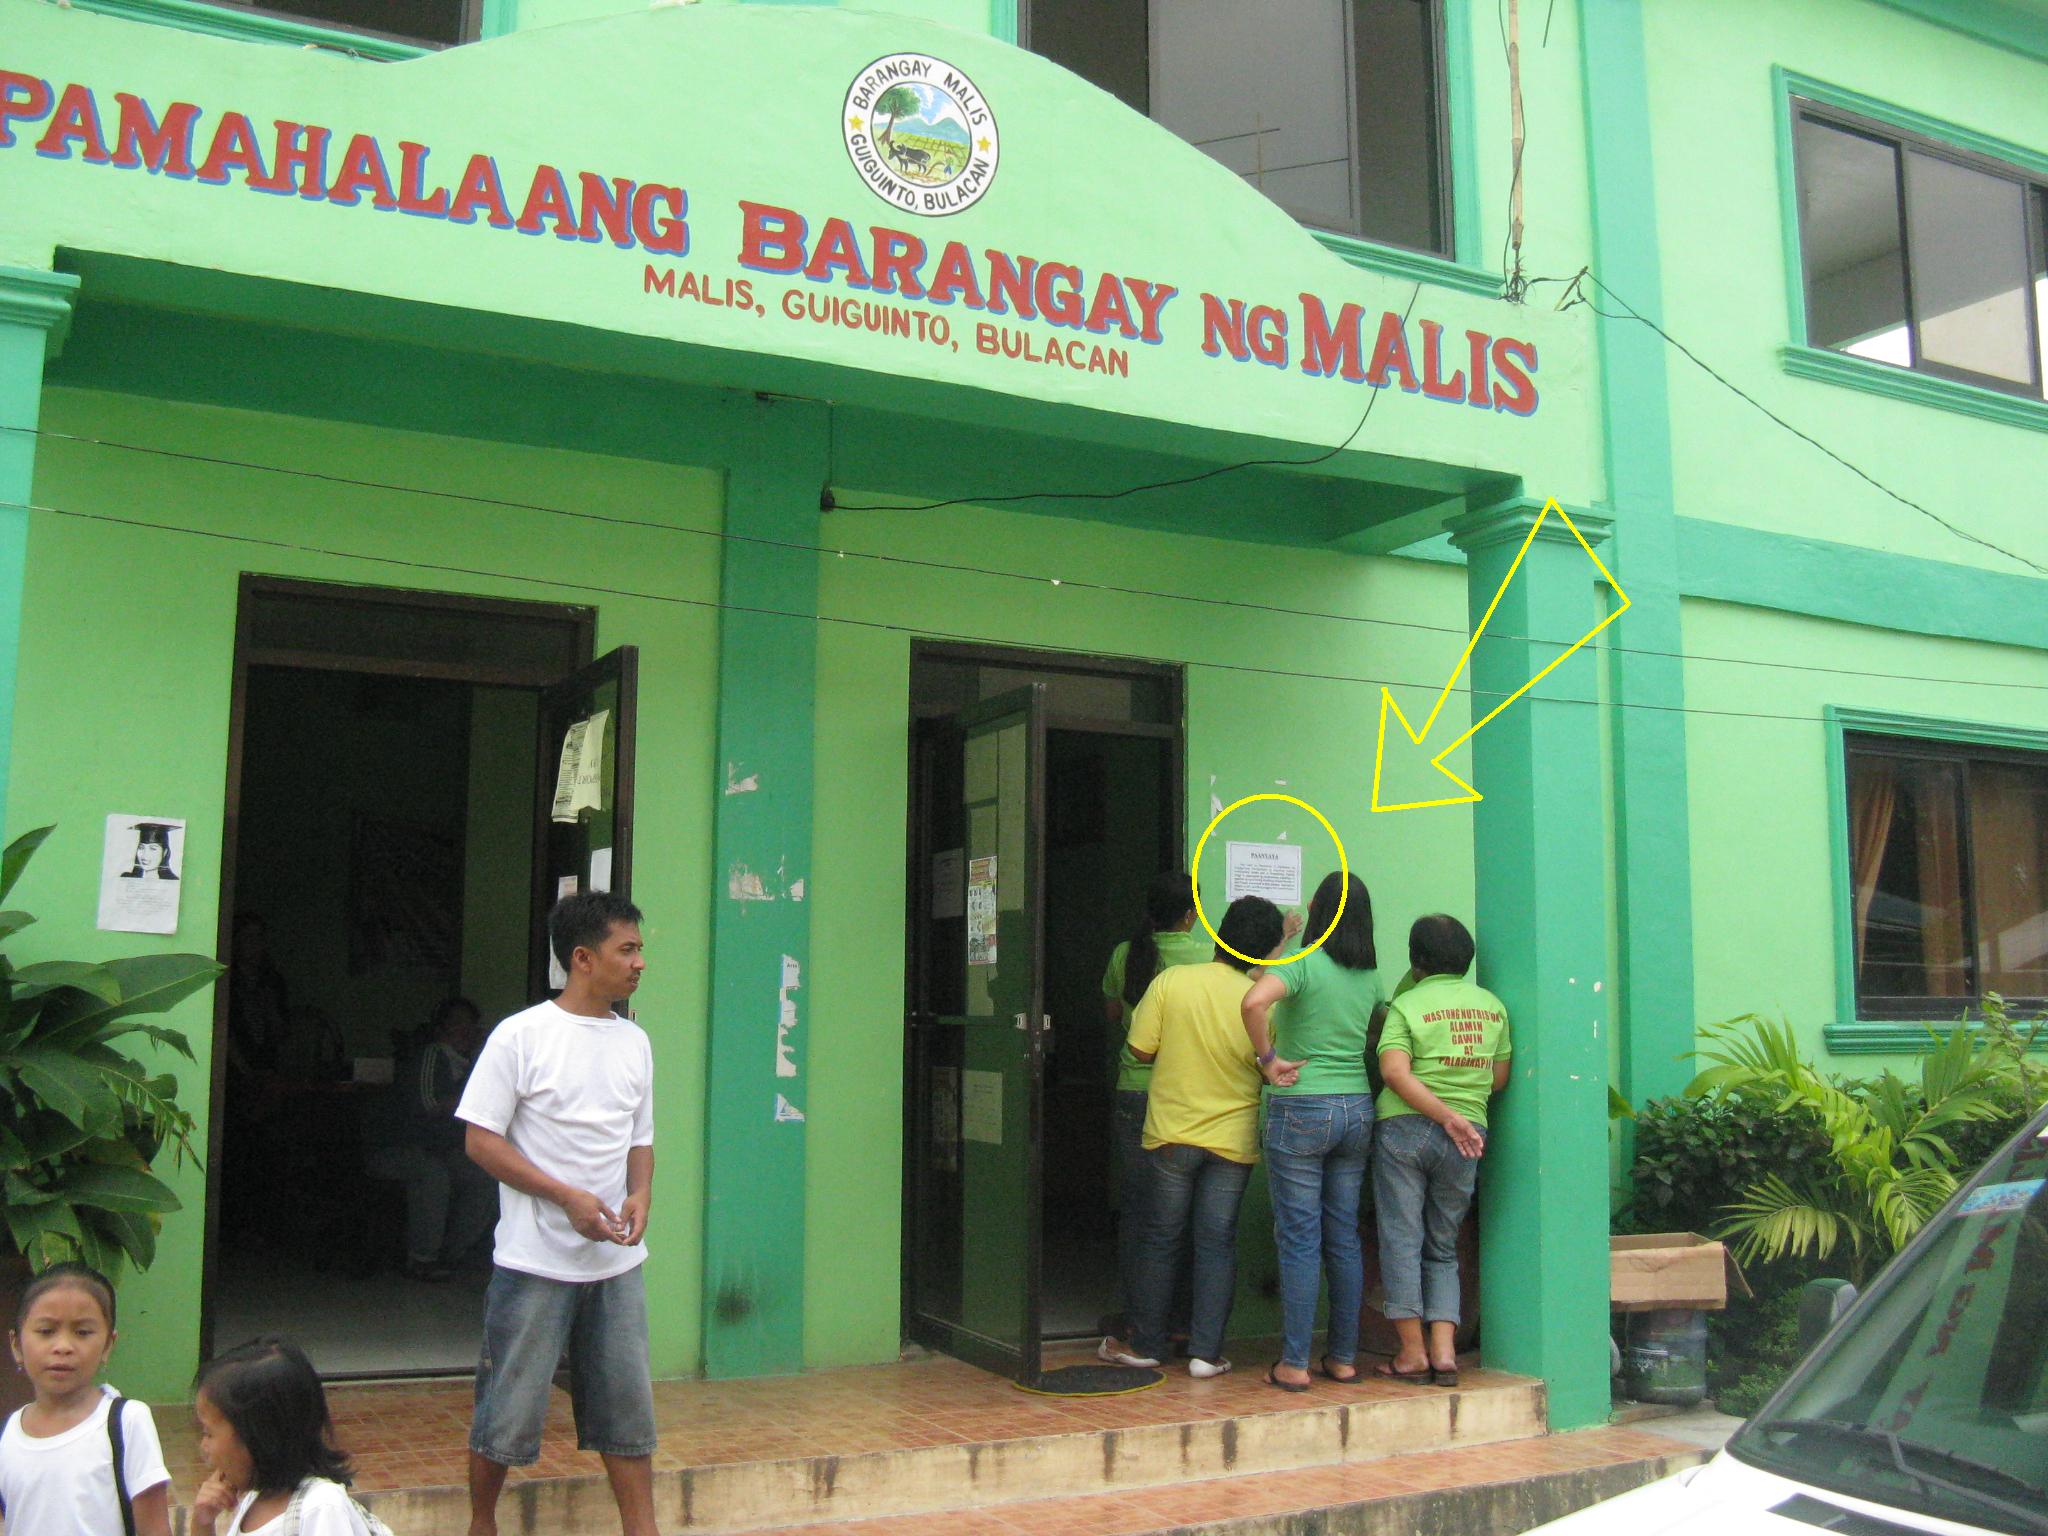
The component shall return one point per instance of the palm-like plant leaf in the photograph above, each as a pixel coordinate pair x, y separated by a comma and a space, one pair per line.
1773, 1218
16, 858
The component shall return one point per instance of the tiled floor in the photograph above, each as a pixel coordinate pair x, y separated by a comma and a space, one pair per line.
1272, 1493
407, 1436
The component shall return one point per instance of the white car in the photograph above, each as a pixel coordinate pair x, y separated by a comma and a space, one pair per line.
1924, 1409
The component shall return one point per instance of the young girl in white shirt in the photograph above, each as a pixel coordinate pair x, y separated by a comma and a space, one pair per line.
57, 1456
265, 1435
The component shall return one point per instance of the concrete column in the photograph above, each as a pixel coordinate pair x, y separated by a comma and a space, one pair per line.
755, 1087
1539, 867
35, 313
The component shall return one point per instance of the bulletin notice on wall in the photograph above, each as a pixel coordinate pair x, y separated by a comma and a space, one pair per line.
981, 911
1271, 870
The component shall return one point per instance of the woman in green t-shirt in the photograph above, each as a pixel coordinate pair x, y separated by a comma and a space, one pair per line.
1318, 1122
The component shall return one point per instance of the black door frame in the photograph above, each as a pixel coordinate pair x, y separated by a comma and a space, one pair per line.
581, 622
1042, 664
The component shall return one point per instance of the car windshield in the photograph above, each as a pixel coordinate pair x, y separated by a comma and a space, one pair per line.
1933, 1396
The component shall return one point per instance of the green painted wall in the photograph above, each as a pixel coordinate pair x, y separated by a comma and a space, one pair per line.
1248, 732
1760, 816
161, 610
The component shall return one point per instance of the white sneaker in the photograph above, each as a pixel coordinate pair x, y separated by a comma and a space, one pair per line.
1108, 1350
1202, 1370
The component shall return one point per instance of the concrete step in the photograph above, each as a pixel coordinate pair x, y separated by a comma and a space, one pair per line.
1147, 1440
1497, 1490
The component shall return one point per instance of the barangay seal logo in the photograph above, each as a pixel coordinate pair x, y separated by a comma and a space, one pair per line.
920, 134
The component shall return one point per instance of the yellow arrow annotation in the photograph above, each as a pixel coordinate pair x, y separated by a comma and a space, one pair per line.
1387, 702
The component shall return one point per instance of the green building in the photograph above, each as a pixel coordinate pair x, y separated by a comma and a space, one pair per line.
923, 466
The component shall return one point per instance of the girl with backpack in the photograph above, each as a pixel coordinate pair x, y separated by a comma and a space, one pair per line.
80, 1460
265, 1433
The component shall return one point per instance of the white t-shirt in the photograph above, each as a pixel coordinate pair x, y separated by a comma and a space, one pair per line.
573, 1094
63, 1485
324, 1511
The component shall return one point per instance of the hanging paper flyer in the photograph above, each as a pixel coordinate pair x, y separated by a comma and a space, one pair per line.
981, 911
579, 778
139, 864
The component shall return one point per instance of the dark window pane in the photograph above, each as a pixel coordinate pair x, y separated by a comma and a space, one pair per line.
1905, 861
1332, 108
2009, 866
1849, 232
1967, 236
1102, 41
421, 21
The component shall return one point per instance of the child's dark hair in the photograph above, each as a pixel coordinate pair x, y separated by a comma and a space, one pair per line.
584, 921
271, 1397
1440, 945
1253, 926
1350, 936
68, 1275
1171, 898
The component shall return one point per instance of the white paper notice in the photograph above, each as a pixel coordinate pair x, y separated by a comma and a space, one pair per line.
981, 911
981, 1107
579, 777
1271, 870
949, 889
140, 864
600, 869
557, 977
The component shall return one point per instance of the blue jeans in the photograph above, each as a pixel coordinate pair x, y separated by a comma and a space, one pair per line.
528, 1321
1422, 1185
1317, 1146
1134, 1184
1193, 1191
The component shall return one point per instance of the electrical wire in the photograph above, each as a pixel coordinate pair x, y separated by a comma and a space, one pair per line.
1151, 485
915, 631
917, 562
1574, 295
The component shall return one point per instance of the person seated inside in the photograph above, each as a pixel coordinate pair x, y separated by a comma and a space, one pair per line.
1201, 1137
1444, 1054
413, 1137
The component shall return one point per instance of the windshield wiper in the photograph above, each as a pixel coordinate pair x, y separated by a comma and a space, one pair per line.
2035, 1518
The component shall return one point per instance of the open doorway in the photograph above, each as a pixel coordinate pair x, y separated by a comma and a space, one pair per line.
400, 812
1010, 1229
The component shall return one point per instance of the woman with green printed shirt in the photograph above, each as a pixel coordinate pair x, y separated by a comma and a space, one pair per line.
1443, 1054
1308, 1019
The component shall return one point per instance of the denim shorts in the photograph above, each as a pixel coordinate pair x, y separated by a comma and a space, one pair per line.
529, 1321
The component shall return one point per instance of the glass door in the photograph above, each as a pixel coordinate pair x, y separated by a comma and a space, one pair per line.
583, 803
976, 1036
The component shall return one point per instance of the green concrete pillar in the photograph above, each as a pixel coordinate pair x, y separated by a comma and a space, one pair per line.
35, 313
1652, 849
1541, 887
755, 1088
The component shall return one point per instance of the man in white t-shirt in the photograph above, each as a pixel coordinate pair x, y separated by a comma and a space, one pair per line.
560, 1111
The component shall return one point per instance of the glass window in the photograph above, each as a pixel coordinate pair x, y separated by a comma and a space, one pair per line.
1948, 862
414, 21
1919, 257
1332, 108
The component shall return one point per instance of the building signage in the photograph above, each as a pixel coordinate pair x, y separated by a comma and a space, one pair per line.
903, 288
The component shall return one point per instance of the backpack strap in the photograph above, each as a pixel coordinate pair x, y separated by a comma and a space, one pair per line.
117, 1438
288, 1522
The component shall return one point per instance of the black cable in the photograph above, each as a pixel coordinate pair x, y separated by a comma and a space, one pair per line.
1155, 485
1574, 296
917, 631
1084, 584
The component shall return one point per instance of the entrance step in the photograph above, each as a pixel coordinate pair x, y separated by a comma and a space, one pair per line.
915, 1438
1475, 1490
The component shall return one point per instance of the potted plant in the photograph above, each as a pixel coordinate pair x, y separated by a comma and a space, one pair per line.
81, 1120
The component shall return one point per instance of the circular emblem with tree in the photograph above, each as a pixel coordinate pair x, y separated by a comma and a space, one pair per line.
920, 134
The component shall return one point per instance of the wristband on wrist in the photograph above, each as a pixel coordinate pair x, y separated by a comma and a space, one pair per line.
1266, 1058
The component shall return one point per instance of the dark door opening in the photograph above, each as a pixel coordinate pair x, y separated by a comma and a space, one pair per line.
393, 832
1010, 1206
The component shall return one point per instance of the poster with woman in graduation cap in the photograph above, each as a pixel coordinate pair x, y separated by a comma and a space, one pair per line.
139, 874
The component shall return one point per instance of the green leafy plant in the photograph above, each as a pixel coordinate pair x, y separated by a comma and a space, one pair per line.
1889, 1161
81, 1122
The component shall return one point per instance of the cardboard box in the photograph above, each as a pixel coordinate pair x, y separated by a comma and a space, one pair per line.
1662, 1270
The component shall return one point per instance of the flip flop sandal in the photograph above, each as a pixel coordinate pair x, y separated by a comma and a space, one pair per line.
1284, 1386
1443, 1378
1422, 1378
1352, 1380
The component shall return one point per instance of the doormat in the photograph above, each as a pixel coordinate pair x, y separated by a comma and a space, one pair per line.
1091, 1381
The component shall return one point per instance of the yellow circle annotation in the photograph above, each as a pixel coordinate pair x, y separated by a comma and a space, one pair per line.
1343, 890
